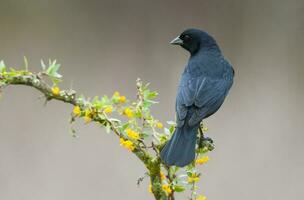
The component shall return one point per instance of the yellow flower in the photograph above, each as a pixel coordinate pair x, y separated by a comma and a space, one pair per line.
150, 188
159, 125
127, 144
192, 179
132, 134
121, 141
201, 198
116, 93
167, 188
88, 116
76, 111
128, 112
108, 109
55, 91
162, 176
205, 129
87, 112
202, 160
87, 119
122, 99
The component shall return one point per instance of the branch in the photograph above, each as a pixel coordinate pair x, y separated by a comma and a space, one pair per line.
32, 80
139, 129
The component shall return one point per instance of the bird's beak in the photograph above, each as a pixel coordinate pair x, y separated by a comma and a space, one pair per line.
177, 41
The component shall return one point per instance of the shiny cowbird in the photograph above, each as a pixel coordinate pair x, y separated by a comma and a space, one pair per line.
204, 84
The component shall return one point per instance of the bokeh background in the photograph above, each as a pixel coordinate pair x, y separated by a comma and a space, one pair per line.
104, 46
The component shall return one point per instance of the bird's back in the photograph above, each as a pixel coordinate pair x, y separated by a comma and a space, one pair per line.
205, 83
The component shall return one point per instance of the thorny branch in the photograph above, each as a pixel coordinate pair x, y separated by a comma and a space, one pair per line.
98, 110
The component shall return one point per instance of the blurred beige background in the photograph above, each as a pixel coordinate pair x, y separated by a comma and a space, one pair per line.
104, 46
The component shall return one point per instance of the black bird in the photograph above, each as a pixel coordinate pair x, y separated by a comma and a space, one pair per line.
204, 84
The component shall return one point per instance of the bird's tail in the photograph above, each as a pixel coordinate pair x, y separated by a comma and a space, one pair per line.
180, 149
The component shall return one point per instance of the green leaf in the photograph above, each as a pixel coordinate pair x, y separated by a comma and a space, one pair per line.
108, 128
171, 129
178, 188
53, 69
163, 139
43, 66
173, 169
152, 95
150, 101
2, 66
97, 103
138, 113
123, 127
25, 63
145, 134
81, 99
55, 80
146, 104
105, 100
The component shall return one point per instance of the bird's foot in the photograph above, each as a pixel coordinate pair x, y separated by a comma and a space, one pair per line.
207, 139
205, 142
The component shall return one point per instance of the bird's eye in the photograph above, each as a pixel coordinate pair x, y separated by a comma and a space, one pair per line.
186, 38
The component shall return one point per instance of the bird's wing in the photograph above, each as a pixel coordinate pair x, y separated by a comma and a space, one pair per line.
202, 96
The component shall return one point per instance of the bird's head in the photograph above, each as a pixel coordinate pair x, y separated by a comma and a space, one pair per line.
194, 40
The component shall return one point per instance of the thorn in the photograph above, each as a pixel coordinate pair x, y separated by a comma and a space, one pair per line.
47, 99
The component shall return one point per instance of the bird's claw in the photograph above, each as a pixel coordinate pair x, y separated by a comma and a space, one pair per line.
207, 139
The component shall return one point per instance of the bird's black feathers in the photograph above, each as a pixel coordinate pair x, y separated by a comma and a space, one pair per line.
203, 87
195, 40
